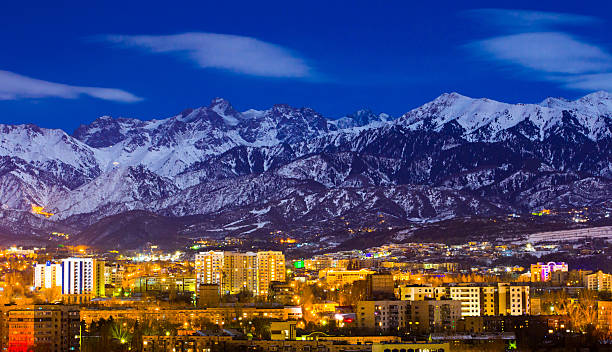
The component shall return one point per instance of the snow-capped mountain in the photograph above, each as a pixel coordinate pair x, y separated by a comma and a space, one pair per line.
453, 156
487, 120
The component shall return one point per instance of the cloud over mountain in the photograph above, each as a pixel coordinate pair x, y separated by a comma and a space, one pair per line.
14, 86
239, 54
541, 45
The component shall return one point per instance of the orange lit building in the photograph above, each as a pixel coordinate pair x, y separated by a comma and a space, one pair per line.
52, 328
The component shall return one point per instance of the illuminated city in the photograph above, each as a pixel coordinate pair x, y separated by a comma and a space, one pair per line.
320, 176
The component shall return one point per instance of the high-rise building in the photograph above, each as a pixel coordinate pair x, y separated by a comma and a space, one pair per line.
99, 274
239, 272
234, 272
82, 279
209, 267
541, 272
270, 267
48, 275
77, 276
54, 328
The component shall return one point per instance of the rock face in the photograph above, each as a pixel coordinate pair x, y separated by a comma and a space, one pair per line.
454, 156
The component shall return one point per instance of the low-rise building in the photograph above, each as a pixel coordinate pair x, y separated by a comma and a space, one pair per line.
282, 330
421, 292
339, 278
217, 315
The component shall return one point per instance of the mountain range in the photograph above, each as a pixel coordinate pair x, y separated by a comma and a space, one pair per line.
214, 171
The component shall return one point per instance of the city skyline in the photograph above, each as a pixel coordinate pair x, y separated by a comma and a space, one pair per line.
305, 176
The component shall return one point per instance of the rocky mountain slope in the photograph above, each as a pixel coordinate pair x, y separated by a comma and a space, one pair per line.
257, 172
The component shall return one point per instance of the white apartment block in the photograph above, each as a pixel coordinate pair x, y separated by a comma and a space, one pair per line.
77, 276
469, 297
47, 275
421, 293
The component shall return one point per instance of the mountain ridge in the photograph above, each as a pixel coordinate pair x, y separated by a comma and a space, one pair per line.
214, 159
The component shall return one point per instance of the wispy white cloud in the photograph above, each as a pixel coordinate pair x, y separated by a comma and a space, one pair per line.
14, 86
543, 53
244, 55
551, 52
589, 82
525, 20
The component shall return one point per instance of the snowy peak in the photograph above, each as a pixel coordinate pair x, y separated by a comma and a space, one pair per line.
601, 100
106, 131
224, 109
365, 117
215, 159
282, 124
485, 119
360, 118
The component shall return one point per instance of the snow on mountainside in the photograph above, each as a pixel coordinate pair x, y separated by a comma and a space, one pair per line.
457, 150
592, 112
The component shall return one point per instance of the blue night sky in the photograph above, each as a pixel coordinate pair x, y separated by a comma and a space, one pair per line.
64, 63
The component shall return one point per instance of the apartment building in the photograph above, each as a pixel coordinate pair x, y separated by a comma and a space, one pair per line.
599, 281
469, 296
234, 271
604, 315
382, 315
420, 292
217, 315
114, 274
380, 286
54, 328
476, 299
82, 279
239, 272
77, 276
209, 267
339, 278
48, 275
434, 315
270, 268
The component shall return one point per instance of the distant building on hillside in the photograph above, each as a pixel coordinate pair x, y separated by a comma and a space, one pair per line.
541, 272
